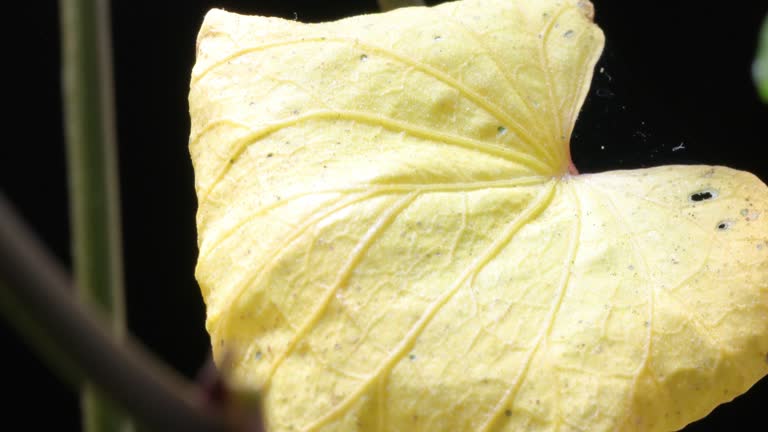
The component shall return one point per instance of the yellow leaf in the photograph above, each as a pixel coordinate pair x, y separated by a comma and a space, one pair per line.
390, 238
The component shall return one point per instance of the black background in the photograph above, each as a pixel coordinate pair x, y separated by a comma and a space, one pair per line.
673, 72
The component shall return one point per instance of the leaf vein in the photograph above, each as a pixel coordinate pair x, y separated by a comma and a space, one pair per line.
504, 153
501, 406
534, 209
359, 251
499, 114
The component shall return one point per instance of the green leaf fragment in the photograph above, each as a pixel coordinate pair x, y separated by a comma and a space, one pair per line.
760, 67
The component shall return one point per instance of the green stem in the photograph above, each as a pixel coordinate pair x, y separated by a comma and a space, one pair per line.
94, 195
760, 67
386, 5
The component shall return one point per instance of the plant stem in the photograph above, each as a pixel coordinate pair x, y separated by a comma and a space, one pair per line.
386, 5
35, 296
93, 182
760, 67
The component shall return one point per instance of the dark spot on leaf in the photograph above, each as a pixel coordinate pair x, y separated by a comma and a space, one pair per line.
508, 413
703, 195
723, 225
568, 34
270, 154
257, 356
364, 57
412, 356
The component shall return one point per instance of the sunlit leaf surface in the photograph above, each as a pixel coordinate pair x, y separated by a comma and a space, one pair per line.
390, 238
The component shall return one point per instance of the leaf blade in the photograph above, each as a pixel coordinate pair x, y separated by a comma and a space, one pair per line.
390, 238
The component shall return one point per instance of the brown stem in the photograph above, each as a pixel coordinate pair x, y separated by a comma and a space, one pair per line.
34, 289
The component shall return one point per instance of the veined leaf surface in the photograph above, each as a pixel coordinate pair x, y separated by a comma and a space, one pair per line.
390, 238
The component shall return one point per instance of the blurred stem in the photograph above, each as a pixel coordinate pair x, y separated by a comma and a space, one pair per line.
94, 195
386, 5
36, 297
760, 67
18, 315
